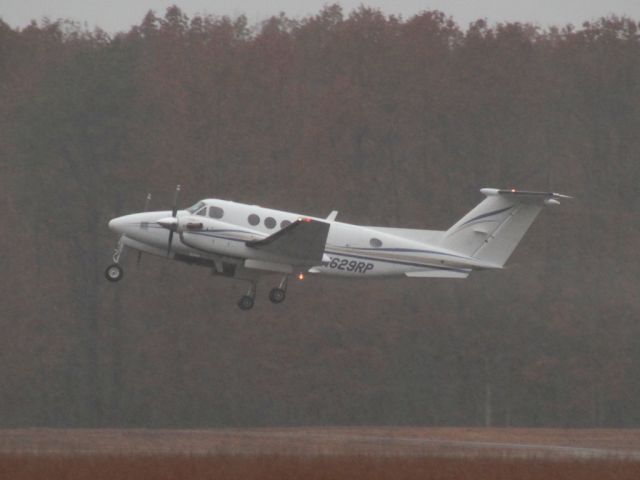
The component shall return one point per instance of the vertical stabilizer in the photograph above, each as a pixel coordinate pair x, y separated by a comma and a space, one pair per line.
492, 230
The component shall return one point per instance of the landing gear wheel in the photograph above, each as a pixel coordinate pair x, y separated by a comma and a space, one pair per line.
246, 303
277, 295
113, 273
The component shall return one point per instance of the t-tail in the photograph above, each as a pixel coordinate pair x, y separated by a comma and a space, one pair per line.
491, 231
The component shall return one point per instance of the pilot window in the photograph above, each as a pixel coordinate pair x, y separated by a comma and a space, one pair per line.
216, 212
195, 207
202, 212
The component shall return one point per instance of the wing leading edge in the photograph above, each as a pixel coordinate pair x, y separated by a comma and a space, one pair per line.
301, 243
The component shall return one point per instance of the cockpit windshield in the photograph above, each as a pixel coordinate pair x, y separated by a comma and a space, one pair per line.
195, 208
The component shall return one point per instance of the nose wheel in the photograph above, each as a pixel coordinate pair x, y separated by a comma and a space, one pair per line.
114, 273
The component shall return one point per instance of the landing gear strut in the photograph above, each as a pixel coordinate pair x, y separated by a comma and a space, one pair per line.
279, 293
114, 272
246, 302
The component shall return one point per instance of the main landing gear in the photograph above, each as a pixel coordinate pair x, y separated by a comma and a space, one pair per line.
246, 302
279, 293
114, 272
276, 295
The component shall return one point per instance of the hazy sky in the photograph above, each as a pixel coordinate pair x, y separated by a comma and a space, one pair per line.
114, 15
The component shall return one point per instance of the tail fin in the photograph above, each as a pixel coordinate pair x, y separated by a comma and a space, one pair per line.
492, 230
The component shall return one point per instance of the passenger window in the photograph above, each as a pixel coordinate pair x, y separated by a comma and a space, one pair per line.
285, 223
253, 219
270, 222
376, 243
216, 212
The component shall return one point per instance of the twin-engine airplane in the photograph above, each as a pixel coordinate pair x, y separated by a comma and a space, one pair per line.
246, 241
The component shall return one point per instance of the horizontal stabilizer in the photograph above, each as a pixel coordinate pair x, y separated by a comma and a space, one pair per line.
522, 195
301, 243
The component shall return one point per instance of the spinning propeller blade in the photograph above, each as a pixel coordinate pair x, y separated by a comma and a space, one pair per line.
175, 201
173, 214
170, 242
146, 207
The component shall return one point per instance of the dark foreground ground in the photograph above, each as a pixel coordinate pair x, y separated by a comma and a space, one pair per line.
320, 453
283, 467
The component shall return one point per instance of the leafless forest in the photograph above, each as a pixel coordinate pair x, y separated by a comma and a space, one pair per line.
393, 122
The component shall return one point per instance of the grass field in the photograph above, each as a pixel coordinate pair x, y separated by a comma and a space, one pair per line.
320, 453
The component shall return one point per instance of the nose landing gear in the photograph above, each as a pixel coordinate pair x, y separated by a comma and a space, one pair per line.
114, 272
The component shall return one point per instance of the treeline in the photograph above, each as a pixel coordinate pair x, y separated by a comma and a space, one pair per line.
391, 121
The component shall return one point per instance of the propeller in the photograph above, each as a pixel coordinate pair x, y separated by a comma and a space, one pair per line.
171, 223
146, 208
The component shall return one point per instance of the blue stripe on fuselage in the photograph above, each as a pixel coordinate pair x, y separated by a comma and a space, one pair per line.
398, 262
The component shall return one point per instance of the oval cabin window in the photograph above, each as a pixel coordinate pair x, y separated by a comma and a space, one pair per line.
270, 222
253, 219
375, 242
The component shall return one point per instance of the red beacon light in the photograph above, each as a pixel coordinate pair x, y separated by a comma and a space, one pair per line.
301, 276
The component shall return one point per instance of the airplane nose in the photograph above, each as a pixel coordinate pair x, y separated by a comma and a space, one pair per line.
116, 224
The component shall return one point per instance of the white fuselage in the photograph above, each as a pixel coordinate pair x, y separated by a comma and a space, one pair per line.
350, 250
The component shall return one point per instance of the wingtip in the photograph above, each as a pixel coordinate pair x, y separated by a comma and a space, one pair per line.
560, 195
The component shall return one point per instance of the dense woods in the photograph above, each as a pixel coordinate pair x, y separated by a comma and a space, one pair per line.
393, 122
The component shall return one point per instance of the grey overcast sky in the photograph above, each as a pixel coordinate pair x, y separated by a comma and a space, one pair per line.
116, 15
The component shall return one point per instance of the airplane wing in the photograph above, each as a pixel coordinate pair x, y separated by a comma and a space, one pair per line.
301, 243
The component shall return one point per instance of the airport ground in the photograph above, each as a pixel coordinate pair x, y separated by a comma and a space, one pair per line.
319, 453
